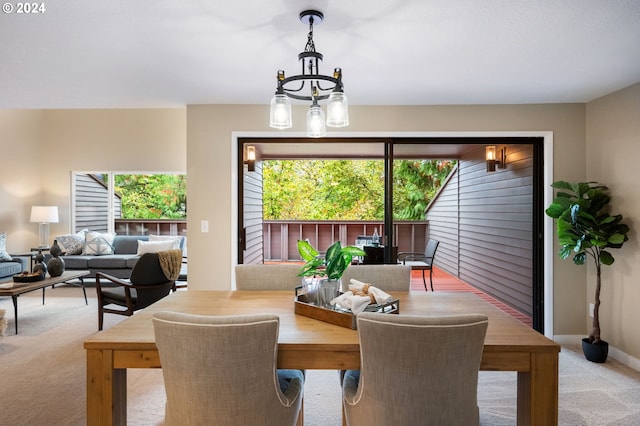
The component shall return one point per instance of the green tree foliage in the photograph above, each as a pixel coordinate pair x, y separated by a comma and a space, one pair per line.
155, 196
416, 182
348, 189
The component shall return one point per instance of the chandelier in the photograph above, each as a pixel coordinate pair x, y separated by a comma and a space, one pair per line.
310, 86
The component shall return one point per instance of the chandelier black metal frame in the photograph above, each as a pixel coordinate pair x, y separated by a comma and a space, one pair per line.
319, 86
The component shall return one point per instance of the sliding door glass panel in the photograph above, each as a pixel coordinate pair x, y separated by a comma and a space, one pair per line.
320, 191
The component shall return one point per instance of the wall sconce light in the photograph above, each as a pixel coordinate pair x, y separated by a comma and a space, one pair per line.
495, 158
250, 158
43, 216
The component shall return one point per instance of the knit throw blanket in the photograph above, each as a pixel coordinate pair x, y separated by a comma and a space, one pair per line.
170, 262
3, 323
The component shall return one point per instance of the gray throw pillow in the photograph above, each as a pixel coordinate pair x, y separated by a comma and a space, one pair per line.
72, 243
3, 251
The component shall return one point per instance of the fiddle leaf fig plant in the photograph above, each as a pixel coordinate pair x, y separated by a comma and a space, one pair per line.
585, 228
334, 263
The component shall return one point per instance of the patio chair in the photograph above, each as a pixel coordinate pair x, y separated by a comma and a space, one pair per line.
148, 283
416, 370
421, 261
222, 370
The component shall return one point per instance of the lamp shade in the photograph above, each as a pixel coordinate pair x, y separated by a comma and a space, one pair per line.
44, 214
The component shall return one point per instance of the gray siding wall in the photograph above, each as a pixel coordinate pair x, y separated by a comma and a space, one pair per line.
494, 246
91, 204
252, 202
443, 218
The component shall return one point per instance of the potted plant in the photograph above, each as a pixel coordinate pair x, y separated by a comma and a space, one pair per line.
586, 228
330, 267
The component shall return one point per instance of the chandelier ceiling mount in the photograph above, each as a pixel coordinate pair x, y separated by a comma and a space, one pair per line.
310, 86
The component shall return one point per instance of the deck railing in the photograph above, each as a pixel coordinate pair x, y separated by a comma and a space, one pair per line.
151, 226
281, 236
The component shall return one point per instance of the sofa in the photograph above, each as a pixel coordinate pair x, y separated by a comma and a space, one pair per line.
10, 265
9, 268
119, 264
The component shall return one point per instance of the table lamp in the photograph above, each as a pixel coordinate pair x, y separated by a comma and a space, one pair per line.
43, 216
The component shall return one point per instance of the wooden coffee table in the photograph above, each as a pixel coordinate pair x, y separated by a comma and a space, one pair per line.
21, 288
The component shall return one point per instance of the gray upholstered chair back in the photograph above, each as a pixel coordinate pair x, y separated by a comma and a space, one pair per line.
385, 277
416, 370
222, 370
268, 277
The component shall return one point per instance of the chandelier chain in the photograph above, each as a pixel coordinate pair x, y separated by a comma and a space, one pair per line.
310, 47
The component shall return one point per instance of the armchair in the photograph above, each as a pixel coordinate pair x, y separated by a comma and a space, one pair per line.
152, 278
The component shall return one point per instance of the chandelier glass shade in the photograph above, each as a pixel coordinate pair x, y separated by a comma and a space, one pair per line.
280, 116
310, 86
315, 122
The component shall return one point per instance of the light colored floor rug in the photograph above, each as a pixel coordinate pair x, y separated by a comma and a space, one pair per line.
43, 376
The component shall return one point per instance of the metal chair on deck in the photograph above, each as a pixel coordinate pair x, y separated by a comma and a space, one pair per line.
421, 261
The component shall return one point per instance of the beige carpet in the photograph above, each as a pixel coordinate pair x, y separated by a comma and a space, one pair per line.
42, 371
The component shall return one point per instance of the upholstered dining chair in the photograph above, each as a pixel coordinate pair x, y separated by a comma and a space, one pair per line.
256, 277
152, 278
221, 370
421, 261
415, 370
385, 277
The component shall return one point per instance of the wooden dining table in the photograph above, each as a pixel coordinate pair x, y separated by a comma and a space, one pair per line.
307, 343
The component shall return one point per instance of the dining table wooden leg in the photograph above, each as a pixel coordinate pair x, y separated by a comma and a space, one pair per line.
300, 421
106, 390
538, 391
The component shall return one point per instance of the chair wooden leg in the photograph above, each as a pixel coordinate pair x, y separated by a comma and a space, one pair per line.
100, 318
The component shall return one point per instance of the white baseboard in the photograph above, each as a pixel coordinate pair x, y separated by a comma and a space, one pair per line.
614, 353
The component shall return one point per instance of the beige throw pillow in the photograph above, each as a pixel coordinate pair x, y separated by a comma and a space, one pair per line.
153, 246
176, 240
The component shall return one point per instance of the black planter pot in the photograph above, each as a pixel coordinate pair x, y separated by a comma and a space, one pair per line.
595, 352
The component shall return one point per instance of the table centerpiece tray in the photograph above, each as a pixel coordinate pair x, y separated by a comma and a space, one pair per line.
28, 277
336, 315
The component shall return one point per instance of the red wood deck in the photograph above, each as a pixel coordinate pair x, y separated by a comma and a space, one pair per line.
442, 281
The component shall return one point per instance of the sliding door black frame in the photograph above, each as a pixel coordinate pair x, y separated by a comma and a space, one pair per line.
388, 157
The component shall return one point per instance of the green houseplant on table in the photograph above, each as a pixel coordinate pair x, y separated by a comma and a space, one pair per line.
586, 228
331, 266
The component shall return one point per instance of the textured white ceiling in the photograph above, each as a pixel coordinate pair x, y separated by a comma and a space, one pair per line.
160, 53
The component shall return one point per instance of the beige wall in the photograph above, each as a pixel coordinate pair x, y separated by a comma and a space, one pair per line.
613, 149
21, 161
53, 143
